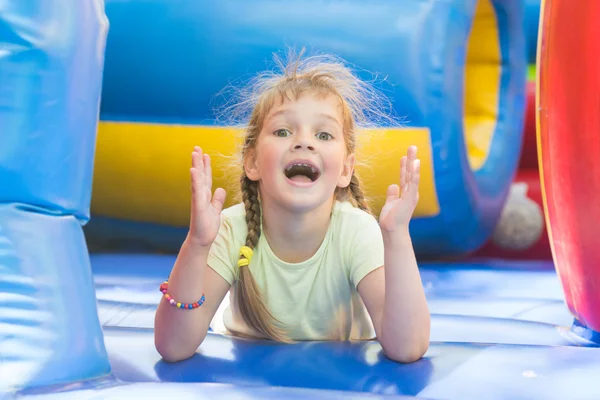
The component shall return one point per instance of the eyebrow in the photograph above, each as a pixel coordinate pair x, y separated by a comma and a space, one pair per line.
328, 116
322, 115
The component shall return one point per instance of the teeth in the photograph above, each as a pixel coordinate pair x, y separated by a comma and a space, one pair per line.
305, 169
312, 168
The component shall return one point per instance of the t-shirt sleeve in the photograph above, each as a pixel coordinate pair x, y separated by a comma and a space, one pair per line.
221, 255
366, 251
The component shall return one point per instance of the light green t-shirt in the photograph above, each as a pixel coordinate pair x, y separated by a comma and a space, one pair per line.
315, 299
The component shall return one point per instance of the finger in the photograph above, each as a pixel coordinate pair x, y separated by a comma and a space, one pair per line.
412, 152
197, 150
195, 174
193, 189
208, 171
199, 163
219, 199
193, 180
403, 174
393, 192
416, 176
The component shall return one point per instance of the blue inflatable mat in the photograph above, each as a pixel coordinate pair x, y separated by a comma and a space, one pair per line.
489, 340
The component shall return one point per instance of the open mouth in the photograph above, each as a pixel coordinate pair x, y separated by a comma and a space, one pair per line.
302, 171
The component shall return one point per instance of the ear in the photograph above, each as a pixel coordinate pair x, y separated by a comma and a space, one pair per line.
347, 172
250, 166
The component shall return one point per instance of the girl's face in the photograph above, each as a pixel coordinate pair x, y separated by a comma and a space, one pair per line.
300, 156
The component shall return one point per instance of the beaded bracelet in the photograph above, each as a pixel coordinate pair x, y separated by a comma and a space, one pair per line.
163, 288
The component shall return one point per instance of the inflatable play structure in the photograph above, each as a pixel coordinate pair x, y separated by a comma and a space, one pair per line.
101, 102
463, 106
521, 231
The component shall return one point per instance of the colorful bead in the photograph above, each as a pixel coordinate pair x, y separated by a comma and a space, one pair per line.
190, 306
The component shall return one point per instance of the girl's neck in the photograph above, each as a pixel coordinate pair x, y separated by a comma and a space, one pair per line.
295, 236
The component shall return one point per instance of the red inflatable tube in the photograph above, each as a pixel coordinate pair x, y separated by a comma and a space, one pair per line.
568, 95
521, 230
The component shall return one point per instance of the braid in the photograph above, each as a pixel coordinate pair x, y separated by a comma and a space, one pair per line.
249, 300
252, 205
358, 195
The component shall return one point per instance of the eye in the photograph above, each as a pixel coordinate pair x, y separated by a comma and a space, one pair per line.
282, 132
324, 136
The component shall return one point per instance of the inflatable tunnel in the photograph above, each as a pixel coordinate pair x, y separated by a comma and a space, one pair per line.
568, 119
51, 62
521, 232
455, 72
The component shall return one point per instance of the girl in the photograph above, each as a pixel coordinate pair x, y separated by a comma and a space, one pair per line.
302, 255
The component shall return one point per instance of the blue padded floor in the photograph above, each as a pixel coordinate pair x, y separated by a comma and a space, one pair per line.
500, 330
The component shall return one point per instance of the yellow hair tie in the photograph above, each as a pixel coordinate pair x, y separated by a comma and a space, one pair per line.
242, 262
247, 253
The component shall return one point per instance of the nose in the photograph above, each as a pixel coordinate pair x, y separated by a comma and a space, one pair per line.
304, 140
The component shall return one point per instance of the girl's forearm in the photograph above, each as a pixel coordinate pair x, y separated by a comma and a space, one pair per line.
177, 332
406, 318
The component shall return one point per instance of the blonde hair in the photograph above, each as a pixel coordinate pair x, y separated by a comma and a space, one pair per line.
361, 108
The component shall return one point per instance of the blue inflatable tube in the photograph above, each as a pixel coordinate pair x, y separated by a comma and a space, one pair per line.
51, 62
455, 71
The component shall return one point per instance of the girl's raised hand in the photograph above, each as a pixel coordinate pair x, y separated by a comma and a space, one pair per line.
206, 207
399, 206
